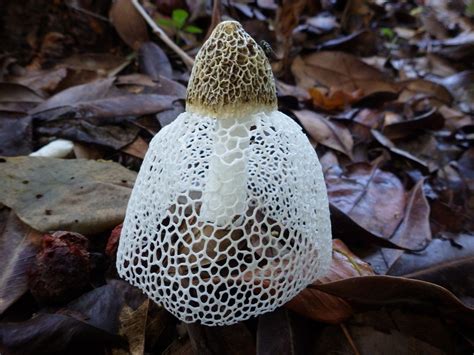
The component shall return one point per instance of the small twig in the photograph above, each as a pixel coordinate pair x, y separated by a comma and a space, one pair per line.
216, 17
87, 12
163, 36
349, 339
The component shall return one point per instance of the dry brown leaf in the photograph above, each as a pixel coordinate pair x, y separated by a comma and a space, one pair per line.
345, 264
104, 64
88, 151
233, 339
16, 133
357, 15
441, 264
132, 327
43, 80
373, 198
461, 87
92, 91
431, 120
11, 92
18, 247
287, 18
414, 231
179, 347
340, 71
321, 306
137, 148
419, 88
389, 290
326, 132
285, 89
129, 24
433, 25
334, 99
154, 62
58, 194
387, 143
276, 333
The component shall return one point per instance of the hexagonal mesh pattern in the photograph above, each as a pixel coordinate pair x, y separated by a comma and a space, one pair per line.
226, 222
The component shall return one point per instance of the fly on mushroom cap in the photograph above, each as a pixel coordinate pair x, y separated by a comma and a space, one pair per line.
232, 76
229, 215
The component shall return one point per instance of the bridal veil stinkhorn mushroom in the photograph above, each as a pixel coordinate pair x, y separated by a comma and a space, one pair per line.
229, 215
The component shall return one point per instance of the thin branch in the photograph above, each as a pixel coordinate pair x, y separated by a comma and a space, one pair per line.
349, 339
87, 12
163, 36
216, 17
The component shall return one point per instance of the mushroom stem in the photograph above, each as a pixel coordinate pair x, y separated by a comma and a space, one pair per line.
225, 193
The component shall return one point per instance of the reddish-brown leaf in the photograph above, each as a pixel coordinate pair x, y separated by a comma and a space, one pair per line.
414, 230
420, 88
137, 148
275, 334
389, 290
18, 246
128, 22
92, 91
43, 80
444, 262
321, 306
233, 339
11, 92
329, 133
375, 199
154, 62
339, 70
16, 133
334, 99
430, 120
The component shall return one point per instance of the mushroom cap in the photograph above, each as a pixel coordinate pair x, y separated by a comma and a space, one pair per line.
204, 272
229, 215
232, 76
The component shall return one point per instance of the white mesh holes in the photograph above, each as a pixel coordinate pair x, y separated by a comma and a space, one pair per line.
218, 238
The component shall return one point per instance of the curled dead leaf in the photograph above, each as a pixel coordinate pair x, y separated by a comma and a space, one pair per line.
129, 24
334, 99
340, 71
389, 290
362, 192
321, 306
326, 132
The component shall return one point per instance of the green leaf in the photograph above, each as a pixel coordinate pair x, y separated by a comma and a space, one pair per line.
179, 17
470, 8
387, 33
416, 11
192, 29
166, 22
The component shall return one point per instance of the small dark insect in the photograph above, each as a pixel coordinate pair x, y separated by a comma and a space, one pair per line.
268, 50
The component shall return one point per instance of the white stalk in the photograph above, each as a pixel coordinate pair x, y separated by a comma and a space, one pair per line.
59, 148
225, 194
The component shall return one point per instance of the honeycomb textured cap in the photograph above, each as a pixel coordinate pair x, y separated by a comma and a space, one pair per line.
217, 270
231, 76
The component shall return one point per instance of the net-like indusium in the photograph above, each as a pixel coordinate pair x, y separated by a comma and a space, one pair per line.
228, 218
